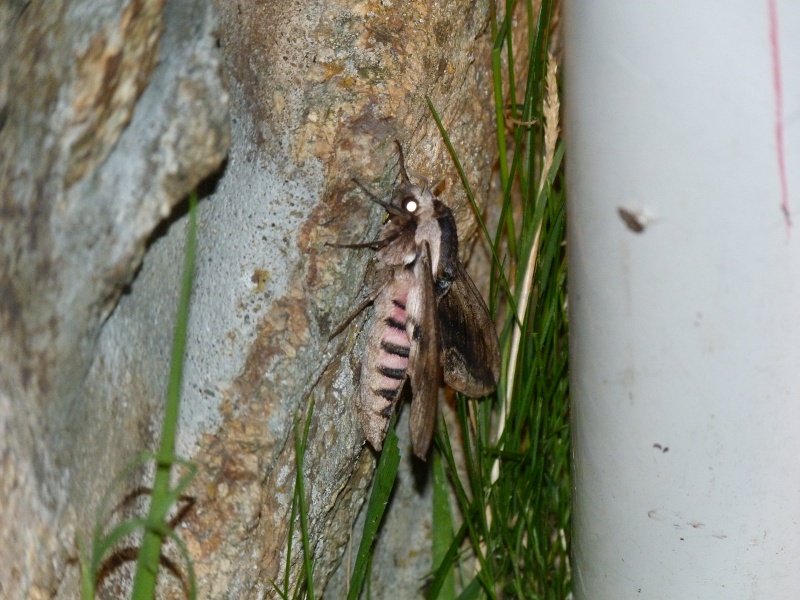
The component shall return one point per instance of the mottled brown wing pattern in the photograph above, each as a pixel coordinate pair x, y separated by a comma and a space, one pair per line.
470, 350
424, 368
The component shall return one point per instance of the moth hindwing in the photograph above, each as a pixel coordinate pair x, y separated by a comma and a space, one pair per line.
429, 318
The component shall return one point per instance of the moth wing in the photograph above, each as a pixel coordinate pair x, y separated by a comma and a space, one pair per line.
424, 368
470, 350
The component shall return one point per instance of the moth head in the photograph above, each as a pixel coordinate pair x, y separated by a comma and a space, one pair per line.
413, 200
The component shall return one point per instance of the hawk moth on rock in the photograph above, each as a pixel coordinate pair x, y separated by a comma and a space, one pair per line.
430, 320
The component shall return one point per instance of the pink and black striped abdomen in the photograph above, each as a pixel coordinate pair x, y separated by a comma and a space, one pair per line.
394, 350
385, 365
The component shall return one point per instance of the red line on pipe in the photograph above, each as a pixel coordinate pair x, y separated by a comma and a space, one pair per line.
777, 87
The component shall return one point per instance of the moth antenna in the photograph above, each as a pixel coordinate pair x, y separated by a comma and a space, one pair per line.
403, 172
378, 244
364, 189
388, 207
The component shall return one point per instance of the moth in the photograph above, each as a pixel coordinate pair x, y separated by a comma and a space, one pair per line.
430, 321
635, 221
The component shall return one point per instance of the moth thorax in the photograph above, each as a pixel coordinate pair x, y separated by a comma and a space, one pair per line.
442, 286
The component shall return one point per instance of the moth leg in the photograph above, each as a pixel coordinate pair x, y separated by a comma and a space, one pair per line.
376, 245
369, 299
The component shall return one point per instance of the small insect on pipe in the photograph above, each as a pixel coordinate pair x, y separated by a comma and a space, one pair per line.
636, 221
430, 321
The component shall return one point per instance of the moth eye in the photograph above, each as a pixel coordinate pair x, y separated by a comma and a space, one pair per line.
411, 206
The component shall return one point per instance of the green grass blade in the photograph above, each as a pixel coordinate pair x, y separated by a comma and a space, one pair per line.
517, 515
300, 452
442, 529
474, 508
150, 551
445, 570
175, 538
472, 591
500, 124
385, 476
476, 209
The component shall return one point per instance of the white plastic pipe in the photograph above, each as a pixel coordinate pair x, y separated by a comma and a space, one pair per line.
685, 347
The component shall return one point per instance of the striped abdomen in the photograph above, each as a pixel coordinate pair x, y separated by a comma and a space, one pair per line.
385, 365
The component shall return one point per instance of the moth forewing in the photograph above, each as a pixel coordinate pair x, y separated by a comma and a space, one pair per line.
470, 350
424, 368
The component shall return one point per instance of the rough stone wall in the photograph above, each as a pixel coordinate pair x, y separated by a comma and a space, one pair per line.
112, 112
